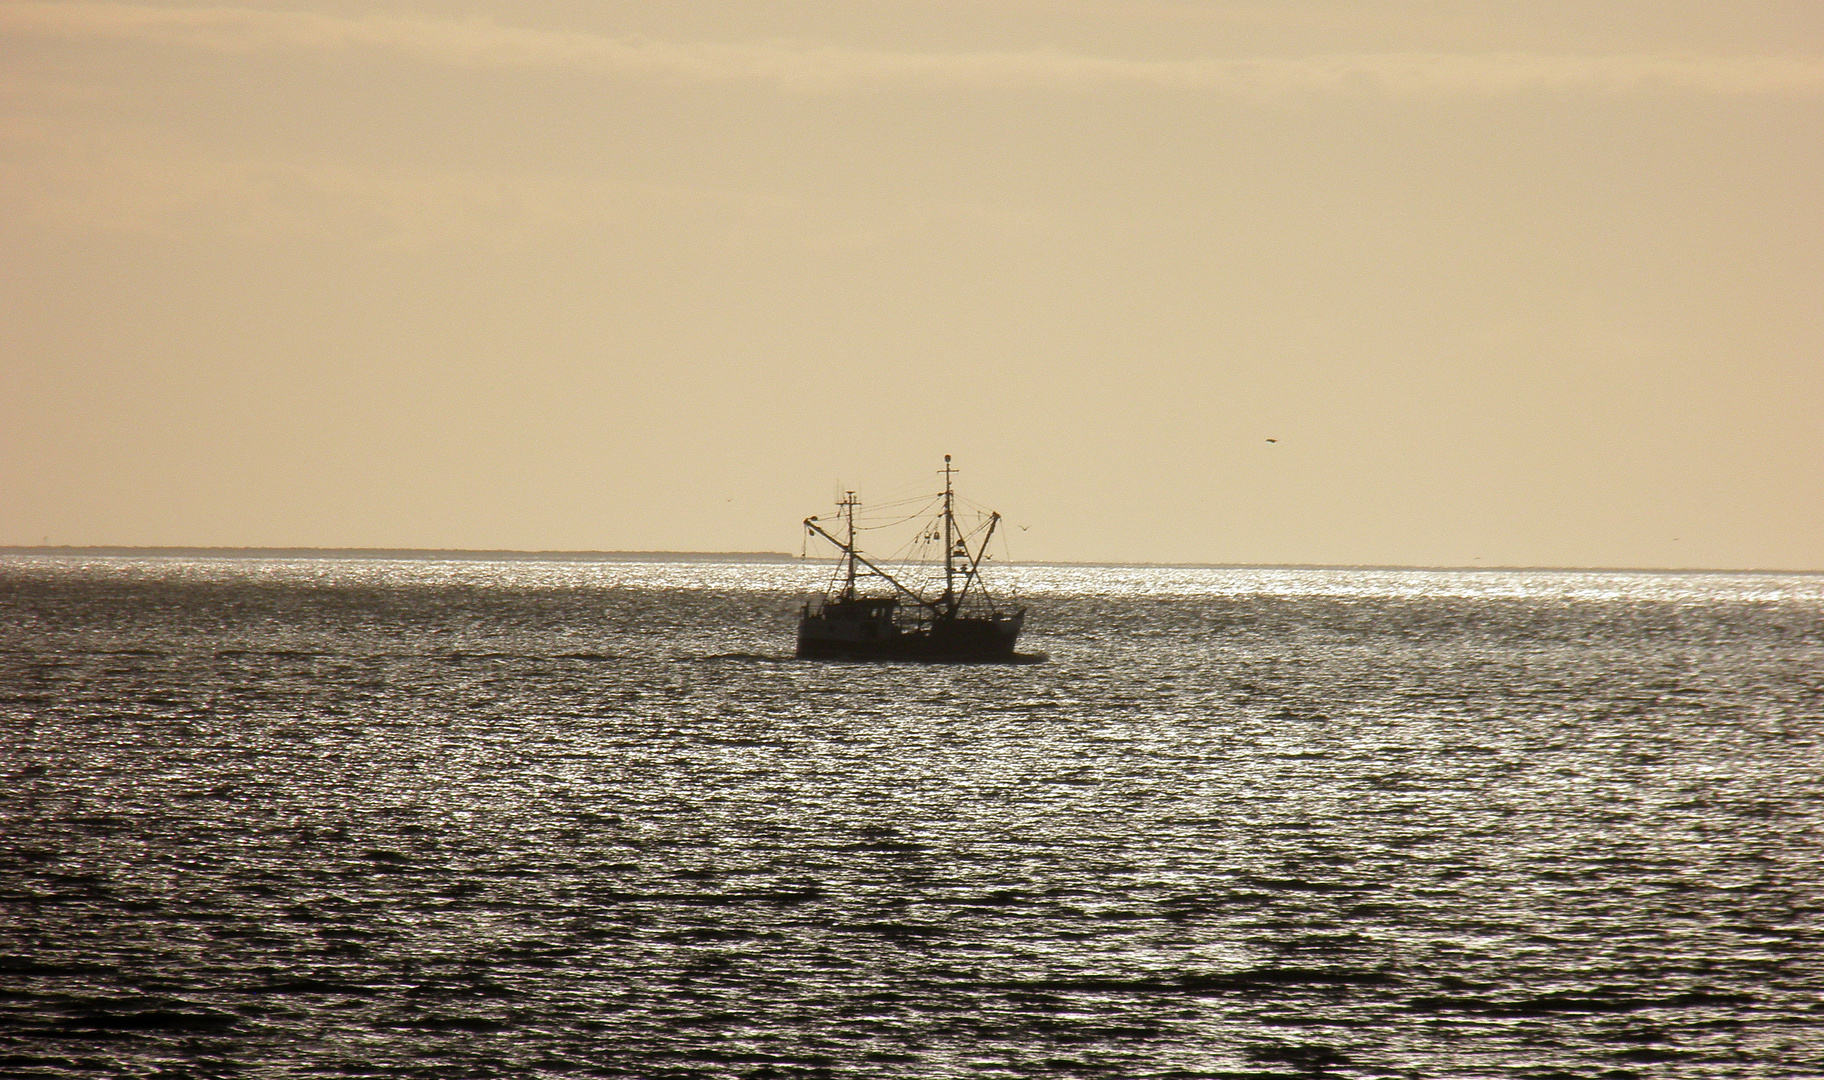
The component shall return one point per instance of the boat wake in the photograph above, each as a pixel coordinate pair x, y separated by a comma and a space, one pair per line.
950, 661
741, 657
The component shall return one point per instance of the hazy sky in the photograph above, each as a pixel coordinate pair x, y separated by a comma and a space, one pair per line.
1535, 283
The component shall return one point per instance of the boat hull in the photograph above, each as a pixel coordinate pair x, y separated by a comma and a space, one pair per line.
958, 640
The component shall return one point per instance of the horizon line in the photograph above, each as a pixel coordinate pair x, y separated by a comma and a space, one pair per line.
514, 554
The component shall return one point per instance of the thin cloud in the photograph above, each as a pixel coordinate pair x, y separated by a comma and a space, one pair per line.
177, 192
147, 186
479, 42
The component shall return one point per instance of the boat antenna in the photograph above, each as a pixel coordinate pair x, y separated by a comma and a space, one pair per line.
949, 541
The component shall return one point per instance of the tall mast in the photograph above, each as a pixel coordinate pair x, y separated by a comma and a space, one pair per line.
949, 541
848, 509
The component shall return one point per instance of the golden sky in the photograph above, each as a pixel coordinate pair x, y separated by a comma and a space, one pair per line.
1531, 283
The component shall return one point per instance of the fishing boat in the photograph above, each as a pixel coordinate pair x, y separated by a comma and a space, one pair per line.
868, 613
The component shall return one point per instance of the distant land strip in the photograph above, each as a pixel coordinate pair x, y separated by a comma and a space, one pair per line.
405, 553
463, 555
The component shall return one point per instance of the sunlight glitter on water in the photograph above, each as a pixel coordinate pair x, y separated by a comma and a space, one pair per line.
421, 818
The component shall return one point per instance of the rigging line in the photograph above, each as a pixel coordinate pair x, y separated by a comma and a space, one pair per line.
904, 558
908, 500
915, 555
905, 493
976, 509
924, 496
902, 515
899, 555
888, 524
914, 516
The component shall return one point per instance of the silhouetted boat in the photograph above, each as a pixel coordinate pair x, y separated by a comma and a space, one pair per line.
962, 623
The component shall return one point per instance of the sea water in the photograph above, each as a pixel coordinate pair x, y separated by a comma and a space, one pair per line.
352, 818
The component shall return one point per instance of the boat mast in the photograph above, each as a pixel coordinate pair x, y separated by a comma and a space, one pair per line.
949, 543
848, 511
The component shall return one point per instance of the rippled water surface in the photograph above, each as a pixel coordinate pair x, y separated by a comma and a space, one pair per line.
446, 819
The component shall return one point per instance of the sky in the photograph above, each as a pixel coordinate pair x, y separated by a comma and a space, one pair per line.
1422, 283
